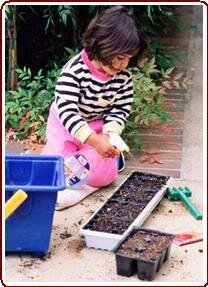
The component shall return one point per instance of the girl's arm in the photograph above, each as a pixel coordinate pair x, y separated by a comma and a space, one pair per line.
115, 119
67, 95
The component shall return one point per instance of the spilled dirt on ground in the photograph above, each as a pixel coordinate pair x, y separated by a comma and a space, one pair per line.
75, 246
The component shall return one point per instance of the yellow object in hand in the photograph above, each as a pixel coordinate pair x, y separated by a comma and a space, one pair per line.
117, 151
117, 142
14, 202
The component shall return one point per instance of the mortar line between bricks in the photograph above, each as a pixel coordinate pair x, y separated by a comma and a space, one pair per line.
175, 112
174, 100
156, 168
164, 143
158, 129
162, 150
171, 160
166, 161
159, 135
160, 143
175, 92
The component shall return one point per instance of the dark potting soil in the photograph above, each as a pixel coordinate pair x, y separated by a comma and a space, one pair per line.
144, 245
124, 206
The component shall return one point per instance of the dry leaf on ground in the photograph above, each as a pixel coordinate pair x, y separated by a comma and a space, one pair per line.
144, 158
154, 123
158, 159
155, 160
10, 135
151, 160
164, 126
153, 151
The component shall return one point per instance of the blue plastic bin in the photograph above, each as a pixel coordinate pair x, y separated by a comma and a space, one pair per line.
28, 229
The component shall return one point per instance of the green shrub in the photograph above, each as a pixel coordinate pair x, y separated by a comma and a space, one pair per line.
27, 107
151, 84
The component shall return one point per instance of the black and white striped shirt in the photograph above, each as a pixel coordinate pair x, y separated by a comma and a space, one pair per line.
83, 94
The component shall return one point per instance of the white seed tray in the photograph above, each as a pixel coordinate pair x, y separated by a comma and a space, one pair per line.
109, 241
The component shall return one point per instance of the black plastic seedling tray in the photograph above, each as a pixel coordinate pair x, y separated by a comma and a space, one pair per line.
143, 252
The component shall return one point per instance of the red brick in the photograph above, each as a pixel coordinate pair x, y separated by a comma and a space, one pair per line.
163, 147
177, 115
175, 95
171, 106
177, 124
158, 131
161, 139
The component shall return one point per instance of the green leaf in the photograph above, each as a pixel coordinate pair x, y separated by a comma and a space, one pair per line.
22, 92
15, 93
25, 78
22, 135
178, 76
149, 8
169, 71
40, 72
13, 124
19, 71
29, 72
138, 143
64, 18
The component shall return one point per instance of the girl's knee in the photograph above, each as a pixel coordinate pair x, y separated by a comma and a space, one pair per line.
104, 174
102, 171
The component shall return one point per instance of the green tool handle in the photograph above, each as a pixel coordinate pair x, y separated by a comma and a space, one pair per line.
193, 209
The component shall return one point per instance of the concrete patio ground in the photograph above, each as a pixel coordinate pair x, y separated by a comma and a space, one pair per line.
69, 262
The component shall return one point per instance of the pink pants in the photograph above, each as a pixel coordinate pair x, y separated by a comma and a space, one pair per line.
61, 142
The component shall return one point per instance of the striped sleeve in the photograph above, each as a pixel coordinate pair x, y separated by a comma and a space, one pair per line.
67, 96
115, 118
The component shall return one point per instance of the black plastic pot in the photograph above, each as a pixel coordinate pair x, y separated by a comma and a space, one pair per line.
146, 269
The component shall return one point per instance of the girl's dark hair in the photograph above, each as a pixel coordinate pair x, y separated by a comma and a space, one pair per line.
115, 31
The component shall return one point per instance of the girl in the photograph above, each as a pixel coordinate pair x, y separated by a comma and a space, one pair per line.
93, 97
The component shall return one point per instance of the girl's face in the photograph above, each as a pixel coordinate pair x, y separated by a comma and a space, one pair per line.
119, 63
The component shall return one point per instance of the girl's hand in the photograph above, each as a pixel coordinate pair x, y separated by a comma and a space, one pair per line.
102, 145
